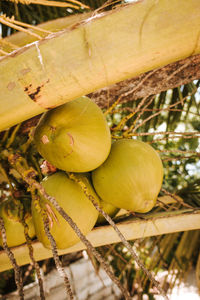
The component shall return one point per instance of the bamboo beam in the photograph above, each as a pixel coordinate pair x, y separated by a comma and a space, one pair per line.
98, 52
163, 79
135, 228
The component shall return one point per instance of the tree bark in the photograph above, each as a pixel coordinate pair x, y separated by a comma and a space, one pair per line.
150, 83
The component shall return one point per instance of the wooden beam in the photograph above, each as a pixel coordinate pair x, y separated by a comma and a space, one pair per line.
134, 228
98, 52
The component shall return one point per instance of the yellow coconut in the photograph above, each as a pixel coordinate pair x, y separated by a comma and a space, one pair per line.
131, 177
72, 199
74, 137
10, 213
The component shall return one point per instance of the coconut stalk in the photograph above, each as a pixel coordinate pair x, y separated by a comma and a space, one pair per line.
100, 51
11, 257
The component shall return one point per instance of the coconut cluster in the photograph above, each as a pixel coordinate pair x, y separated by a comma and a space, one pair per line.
75, 137
124, 174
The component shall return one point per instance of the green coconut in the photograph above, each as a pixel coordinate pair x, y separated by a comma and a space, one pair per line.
109, 209
131, 177
74, 137
10, 213
72, 199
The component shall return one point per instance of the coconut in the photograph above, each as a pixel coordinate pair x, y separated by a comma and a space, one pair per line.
107, 208
74, 137
72, 199
131, 177
11, 214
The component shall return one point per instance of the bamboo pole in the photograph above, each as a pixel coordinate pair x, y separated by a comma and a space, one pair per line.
134, 228
103, 50
158, 82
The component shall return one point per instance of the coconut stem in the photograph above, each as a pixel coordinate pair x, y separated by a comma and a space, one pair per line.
27, 176
35, 264
125, 242
177, 199
148, 101
129, 116
6, 177
86, 242
17, 270
13, 135
58, 263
